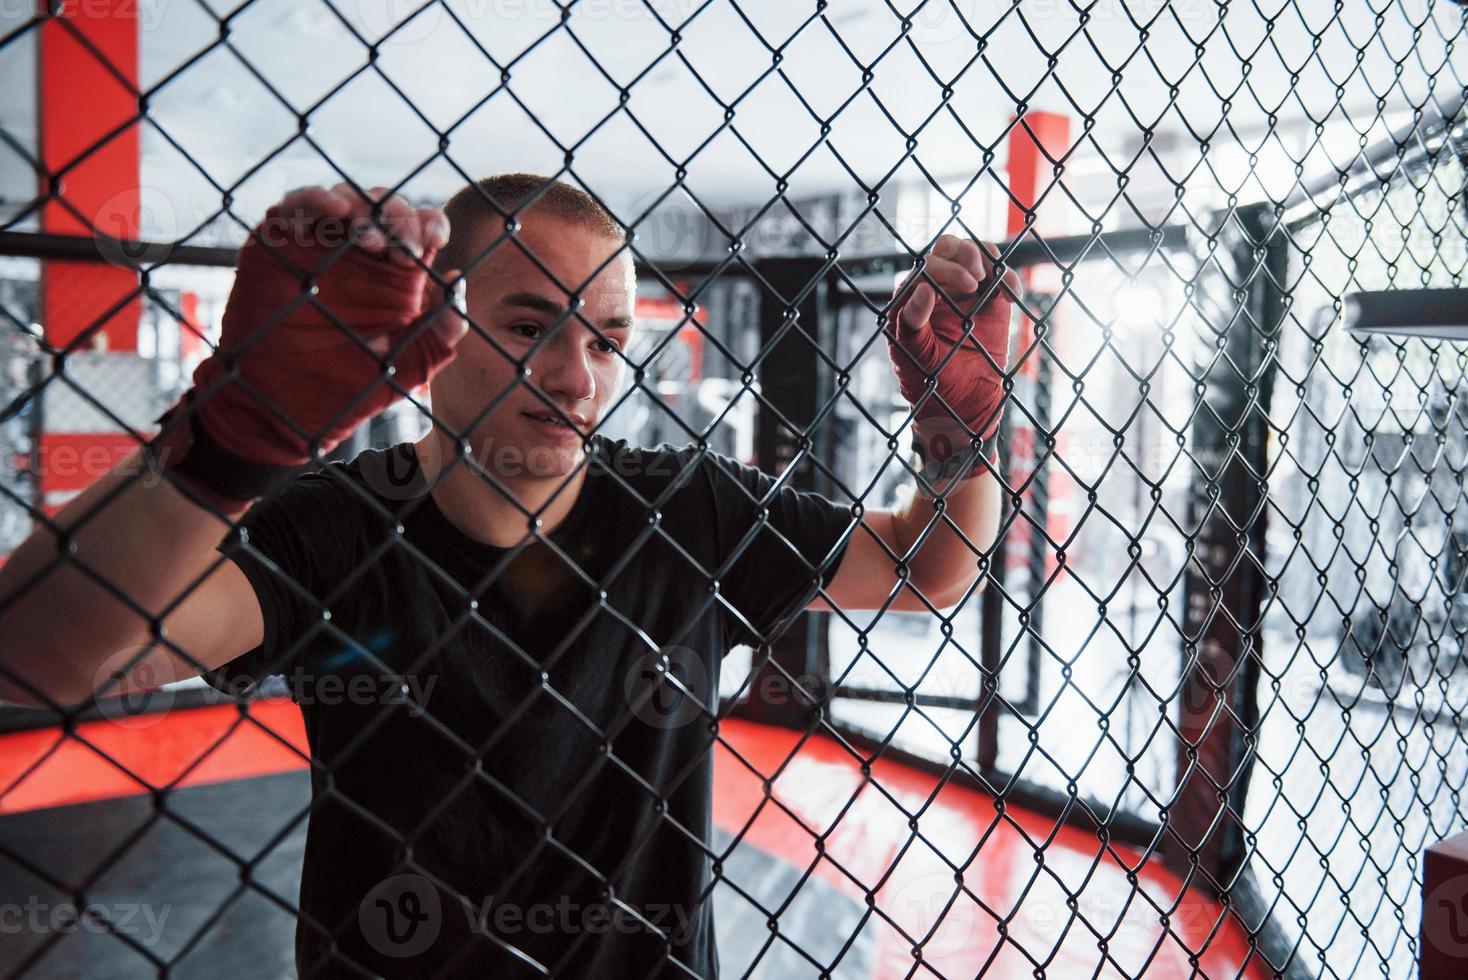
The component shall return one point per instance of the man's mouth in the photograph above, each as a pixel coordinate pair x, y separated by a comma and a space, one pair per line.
551, 418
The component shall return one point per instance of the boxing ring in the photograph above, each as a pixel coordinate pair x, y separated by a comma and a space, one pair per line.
1203, 713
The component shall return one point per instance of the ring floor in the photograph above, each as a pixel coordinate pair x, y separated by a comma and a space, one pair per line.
70, 804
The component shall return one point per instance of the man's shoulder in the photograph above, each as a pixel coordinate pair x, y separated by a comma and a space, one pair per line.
691, 460
391, 473
338, 490
654, 467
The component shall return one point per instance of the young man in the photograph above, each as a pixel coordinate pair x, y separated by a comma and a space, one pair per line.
506, 637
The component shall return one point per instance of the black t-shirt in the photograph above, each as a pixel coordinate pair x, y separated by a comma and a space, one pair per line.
497, 748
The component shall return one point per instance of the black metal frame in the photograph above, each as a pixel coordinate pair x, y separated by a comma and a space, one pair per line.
1021, 253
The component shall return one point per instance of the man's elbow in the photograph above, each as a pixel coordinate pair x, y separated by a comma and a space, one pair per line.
32, 696
42, 679
955, 593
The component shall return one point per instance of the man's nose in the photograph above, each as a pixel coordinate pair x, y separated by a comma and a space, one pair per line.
564, 368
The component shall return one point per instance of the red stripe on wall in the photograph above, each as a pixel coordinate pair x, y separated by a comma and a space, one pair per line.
191, 329
89, 138
1036, 142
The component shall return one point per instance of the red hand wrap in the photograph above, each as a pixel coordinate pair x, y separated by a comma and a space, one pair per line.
297, 365
970, 384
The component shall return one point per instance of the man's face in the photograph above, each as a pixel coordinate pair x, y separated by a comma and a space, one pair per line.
574, 373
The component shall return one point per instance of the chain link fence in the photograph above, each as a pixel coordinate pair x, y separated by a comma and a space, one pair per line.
1211, 687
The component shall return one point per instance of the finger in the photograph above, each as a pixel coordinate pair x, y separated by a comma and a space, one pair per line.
447, 319
950, 276
298, 215
989, 255
435, 226
365, 234
307, 203
1012, 281
359, 202
946, 246
904, 290
967, 254
447, 306
401, 221
915, 313
384, 221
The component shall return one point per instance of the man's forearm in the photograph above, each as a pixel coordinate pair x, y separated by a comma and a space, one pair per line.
57, 622
946, 564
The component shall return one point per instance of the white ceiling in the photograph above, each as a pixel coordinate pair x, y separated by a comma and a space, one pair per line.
212, 100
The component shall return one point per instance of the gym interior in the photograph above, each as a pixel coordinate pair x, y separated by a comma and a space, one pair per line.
1203, 712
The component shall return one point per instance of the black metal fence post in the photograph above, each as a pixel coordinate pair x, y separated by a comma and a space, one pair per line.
1225, 583
794, 314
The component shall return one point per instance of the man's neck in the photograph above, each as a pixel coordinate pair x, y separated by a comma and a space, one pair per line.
480, 509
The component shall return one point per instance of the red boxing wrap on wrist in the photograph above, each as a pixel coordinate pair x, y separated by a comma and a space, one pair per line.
969, 386
288, 369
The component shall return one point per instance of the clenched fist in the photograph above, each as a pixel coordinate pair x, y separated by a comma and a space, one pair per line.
923, 327
333, 316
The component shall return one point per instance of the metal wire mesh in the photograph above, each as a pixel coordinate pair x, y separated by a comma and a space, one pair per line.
17, 433
1220, 631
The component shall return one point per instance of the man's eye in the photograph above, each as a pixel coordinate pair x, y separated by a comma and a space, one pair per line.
607, 345
531, 330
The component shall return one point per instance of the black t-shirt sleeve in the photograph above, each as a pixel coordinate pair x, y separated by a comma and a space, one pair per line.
775, 544
294, 547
